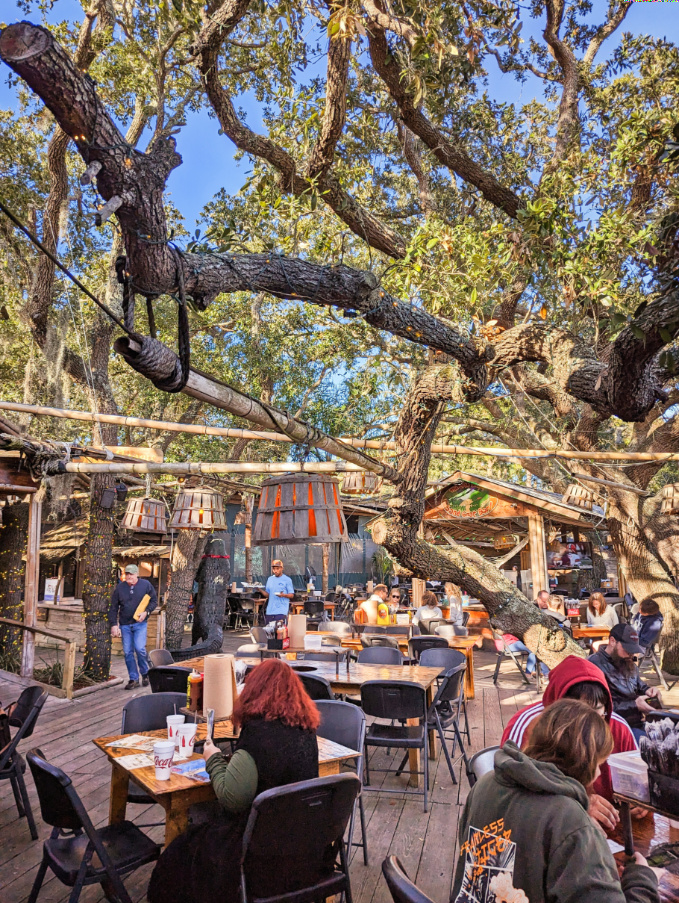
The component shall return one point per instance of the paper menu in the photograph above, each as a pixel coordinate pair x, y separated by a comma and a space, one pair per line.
134, 741
130, 763
194, 769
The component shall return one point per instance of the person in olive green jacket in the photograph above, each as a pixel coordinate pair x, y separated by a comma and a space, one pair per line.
525, 835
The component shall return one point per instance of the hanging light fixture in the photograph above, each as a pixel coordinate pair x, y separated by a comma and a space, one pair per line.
298, 509
146, 515
198, 509
360, 482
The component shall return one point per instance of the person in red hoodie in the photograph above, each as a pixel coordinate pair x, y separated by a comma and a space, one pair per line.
577, 678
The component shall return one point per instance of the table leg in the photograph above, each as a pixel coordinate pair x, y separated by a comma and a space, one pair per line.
414, 758
176, 817
626, 823
469, 674
326, 768
117, 808
433, 736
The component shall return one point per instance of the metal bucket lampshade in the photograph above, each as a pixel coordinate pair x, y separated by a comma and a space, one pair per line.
146, 515
198, 509
670, 499
299, 508
360, 482
578, 496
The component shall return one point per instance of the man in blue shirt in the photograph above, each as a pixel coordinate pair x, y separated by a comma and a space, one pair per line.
124, 603
279, 591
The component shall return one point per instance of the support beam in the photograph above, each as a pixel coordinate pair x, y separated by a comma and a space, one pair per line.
538, 552
198, 468
31, 585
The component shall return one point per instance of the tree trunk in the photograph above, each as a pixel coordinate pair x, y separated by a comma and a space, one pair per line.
635, 529
98, 581
185, 558
248, 504
13, 538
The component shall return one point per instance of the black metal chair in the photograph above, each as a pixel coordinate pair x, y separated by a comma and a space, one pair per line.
447, 659
23, 714
400, 886
160, 657
368, 628
148, 713
308, 858
344, 723
650, 657
316, 686
451, 630
77, 853
395, 700
481, 763
380, 655
314, 609
398, 630
378, 639
418, 644
169, 679
429, 627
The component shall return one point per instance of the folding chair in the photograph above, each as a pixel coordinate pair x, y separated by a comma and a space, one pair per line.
400, 886
481, 763
503, 651
24, 715
169, 679
160, 657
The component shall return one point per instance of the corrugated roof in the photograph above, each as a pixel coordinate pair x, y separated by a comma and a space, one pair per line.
160, 551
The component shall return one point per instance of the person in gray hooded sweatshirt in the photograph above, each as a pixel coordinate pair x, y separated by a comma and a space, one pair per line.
525, 835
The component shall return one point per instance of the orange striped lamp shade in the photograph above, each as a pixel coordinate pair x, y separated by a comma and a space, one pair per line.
198, 509
298, 509
146, 516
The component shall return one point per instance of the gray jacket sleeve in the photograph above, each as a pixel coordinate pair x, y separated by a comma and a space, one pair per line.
582, 870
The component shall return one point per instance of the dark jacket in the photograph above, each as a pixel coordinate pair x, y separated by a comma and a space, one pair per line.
526, 826
125, 601
648, 627
625, 688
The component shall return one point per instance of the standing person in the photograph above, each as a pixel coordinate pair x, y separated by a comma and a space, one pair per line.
599, 614
648, 622
124, 603
277, 746
369, 606
628, 690
279, 591
578, 678
525, 832
454, 602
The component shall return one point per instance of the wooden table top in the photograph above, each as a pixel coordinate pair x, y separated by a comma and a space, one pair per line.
455, 642
650, 832
146, 777
356, 674
582, 632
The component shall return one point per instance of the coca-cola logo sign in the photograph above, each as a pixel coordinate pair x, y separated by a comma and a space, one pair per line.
163, 763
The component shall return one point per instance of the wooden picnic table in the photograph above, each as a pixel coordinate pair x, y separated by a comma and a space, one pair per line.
464, 644
591, 633
645, 833
353, 675
177, 794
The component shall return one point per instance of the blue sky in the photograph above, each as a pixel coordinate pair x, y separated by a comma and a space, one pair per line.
208, 157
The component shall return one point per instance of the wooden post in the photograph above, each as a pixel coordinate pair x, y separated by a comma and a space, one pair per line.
325, 551
538, 552
249, 503
31, 585
69, 667
418, 591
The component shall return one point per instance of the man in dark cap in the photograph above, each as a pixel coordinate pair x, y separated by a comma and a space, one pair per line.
630, 693
130, 626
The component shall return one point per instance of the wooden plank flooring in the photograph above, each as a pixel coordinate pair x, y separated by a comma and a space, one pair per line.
426, 843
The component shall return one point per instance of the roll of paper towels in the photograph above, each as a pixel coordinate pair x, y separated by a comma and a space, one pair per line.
219, 692
297, 630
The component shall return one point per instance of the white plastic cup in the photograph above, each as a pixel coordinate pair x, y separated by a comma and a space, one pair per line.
174, 722
186, 737
163, 757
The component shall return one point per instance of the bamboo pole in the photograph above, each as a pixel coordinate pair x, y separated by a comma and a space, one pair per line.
385, 445
198, 468
634, 489
30, 618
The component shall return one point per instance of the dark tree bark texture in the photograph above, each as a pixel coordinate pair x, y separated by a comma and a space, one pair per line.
185, 556
98, 580
13, 540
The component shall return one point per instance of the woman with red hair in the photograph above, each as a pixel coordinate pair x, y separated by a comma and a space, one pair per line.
277, 746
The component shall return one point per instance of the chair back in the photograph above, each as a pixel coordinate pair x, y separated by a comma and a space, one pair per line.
393, 699
148, 713
442, 658
450, 688
259, 635
465, 618
169, 679
499, 642
400, 886
60, 805
320, 656
315, 815
380, 655
398, 630
331, 639
427, 627
481, 763
160, 657
379, 639
339, 628
314, 607
418, 644
343, 723
316, 686
27, 708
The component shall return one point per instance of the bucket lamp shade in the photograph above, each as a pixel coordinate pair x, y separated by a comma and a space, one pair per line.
146, 515
198, 509
298, 509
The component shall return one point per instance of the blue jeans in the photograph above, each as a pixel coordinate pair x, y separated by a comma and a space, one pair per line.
133, 637
532, 660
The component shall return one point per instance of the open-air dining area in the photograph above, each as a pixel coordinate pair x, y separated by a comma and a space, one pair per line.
339, 451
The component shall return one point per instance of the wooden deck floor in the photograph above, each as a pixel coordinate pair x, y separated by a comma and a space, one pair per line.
426, 843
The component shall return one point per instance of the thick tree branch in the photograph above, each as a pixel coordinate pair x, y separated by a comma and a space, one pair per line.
444, 150
615, 19
410, 152
334, 115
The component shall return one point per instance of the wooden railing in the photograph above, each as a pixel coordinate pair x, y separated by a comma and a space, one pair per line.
69, 652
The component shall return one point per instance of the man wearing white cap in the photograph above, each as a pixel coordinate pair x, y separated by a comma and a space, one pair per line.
132, 630
279, 590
